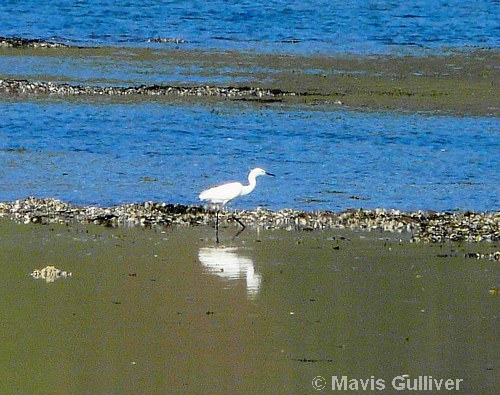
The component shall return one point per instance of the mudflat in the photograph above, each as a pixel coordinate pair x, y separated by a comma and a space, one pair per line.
166, 310
457, 82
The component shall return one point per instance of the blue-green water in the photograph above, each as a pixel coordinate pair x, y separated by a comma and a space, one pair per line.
305, 27
113, 153
105, 153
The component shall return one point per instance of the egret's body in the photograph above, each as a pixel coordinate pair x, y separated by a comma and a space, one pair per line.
222, 194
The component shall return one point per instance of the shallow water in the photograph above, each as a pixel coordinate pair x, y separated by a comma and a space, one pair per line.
265, 26
268, 311
112, 153
146, 311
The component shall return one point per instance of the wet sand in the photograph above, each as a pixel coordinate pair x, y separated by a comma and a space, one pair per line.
464, 83
166, 310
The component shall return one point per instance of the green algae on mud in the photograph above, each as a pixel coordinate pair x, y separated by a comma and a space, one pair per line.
149, 310
459, 82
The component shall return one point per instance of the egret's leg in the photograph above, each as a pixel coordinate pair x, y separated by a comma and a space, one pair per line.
233, 216
243, 226
217, 226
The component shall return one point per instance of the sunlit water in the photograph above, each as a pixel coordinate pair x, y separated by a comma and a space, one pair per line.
300, 27
115, 153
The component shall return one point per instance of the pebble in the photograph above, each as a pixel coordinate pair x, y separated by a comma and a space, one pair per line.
422, 226
166, 40
50, 274
491, 256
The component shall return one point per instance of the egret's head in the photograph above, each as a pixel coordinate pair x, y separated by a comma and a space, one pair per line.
260, 172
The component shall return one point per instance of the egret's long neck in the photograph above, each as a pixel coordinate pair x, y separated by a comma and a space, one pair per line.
252, 183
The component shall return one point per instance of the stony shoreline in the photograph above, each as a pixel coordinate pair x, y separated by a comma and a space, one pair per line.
21, 42
433, 227
25, 87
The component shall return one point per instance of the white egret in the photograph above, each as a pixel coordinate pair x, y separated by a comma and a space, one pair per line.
222, 194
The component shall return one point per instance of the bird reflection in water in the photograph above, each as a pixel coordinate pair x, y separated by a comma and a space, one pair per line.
227, 263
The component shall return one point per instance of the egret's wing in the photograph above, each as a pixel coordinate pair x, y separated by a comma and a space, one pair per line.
222, 193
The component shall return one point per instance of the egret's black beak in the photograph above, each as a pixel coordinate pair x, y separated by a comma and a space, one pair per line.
270, 174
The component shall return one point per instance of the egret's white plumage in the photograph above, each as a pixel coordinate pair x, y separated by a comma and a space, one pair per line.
222, 194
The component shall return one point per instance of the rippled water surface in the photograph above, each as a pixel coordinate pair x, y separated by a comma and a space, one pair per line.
96, 152
113, 153
305, 27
